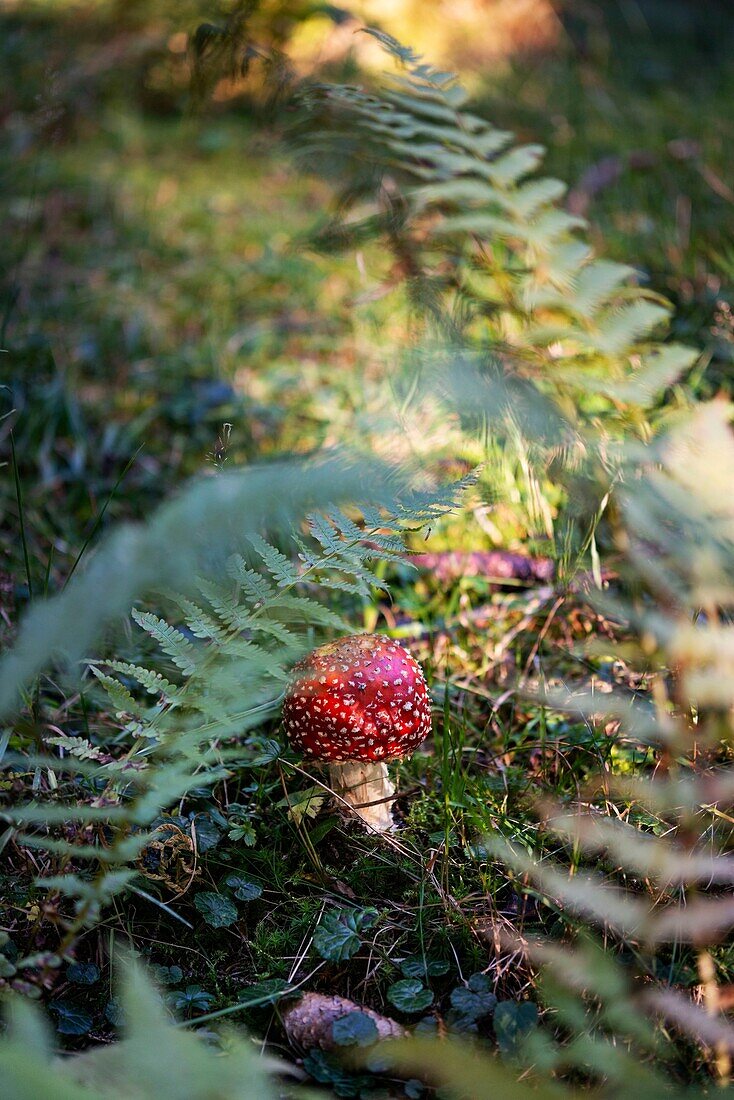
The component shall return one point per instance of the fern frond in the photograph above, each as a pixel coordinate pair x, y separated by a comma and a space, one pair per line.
78, 747
421, 506
513, 269
348, 529
622, 328
274, 629
153, 682
124, 851
121, 699
329, 535
201, 624
595, 284
254, 585
226, 604
300, 609
172, 641
278, 565
346, 583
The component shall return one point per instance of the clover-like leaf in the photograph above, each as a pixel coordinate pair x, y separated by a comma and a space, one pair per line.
328, 1071
192, 998
269, 750
83, 973
337, 936
424, 968
427, 1025
354, 1029
217, 910
473, 1000
242, 888
244, 832
167, 975
410, 995
207, 833
71, 1019
114, 1012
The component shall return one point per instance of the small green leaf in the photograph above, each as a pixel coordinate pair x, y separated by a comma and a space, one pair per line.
167, 975
83, 973
459, 1024
424, 968
114, 1013
337, 936
245, 833
70, 1018
306, 804
473, 1000
325, 1069
410, 995
319, 831
354, 1029
207, 834
193, 997
269, 751
242, 888
217, 910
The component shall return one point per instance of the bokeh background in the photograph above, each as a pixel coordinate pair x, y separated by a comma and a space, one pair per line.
156, 281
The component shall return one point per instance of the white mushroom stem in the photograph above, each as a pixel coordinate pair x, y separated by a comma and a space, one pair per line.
366, 787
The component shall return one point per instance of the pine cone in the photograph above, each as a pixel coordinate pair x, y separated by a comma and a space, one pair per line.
308, 1023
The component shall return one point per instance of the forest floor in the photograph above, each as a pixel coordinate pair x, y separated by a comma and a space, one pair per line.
158, 287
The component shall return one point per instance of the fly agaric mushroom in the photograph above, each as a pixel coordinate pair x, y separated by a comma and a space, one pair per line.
356, 703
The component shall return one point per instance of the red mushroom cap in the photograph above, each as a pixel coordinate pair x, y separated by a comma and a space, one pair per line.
359, 698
